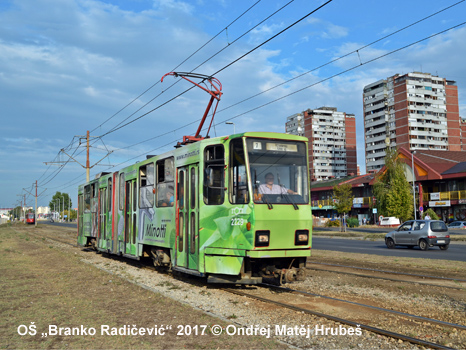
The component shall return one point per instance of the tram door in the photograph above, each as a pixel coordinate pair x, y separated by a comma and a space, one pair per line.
130, 217
102, 236
80, 214
187, 244
94, 210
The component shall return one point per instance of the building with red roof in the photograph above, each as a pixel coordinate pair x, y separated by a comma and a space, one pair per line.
439, 178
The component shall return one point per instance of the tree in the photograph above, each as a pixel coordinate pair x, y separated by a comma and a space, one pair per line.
391, 189
343, 199
62, 197
17, 212
400, 199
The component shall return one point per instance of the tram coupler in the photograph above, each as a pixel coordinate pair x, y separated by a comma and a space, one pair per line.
160, 258
92, 243
276, 276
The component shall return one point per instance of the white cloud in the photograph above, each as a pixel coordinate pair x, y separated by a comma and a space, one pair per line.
333, 31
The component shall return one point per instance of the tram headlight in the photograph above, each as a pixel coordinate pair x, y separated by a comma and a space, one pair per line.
262, 238
301, 237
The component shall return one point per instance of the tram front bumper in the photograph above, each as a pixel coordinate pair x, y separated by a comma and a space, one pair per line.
287, 253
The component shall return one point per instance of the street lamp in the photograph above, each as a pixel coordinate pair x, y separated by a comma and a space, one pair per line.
58, 199
414, 191
234, 126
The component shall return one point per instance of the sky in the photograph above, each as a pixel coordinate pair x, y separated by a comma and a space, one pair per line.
72, 66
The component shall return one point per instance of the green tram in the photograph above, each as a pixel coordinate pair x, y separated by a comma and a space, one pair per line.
204, 209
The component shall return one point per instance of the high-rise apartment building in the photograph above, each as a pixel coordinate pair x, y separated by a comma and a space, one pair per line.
332, 141
414, 111
295, 124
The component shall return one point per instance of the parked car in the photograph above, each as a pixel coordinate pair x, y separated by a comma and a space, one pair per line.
422, 233
457, 224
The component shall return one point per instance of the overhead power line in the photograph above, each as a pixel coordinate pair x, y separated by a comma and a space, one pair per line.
343, 72
228, 65
304, 88
116, 127
174, 69
296, 77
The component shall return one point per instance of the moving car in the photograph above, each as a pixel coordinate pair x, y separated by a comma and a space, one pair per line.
457, 224
422, 233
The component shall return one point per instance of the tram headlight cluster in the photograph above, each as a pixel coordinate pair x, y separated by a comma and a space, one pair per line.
301, 237
262, 238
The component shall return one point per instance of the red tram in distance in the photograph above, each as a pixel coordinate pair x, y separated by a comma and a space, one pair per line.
30, 218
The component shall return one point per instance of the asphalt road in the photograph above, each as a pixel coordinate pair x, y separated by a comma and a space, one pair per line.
456, 252
65, 224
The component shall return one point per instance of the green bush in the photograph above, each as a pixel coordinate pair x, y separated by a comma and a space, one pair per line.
334, 223
352, 222
431, 213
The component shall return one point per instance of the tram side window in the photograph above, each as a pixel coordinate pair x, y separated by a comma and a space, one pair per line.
87, 198
214, 175
146, 186
122, 191
93, 191
165, 182
238, 177
110, 194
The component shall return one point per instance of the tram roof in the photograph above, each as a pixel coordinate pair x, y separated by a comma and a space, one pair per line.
198, 144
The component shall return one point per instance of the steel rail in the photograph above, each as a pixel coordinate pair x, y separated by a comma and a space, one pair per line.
343, 321
388, 279
399, 313
392, 272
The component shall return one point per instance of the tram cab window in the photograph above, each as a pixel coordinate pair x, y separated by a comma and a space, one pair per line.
165, 182
214, 175
279, 171
238, 176
146, 186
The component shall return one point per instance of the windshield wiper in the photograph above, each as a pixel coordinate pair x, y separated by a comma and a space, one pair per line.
269, 205
290, 200
286, 195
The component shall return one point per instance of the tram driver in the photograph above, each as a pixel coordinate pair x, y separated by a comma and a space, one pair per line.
270, 188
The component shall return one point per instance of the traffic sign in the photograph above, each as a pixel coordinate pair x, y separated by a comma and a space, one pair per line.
421, 209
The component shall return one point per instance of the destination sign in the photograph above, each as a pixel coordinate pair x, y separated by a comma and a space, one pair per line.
281, 147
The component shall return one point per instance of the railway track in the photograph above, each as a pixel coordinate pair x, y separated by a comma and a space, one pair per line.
427, 280
354, 316
352, 322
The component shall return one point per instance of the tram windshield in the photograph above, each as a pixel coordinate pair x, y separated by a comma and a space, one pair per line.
278, 170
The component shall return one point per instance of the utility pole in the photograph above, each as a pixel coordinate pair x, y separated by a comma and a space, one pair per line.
58, 218
88, 167
35, 210
22, 206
